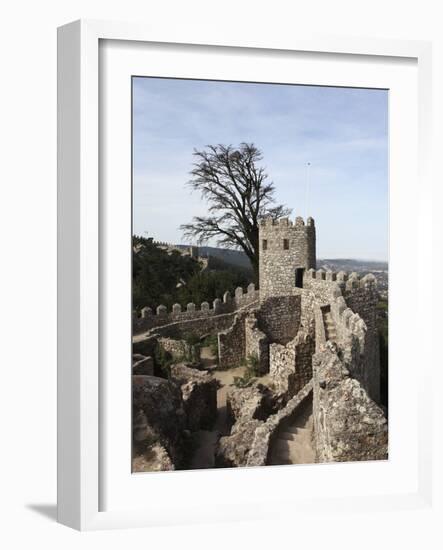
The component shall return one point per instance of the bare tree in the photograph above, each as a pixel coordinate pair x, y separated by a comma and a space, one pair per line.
238, 192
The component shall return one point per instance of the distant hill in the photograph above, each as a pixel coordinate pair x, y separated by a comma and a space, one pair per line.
239, 259
234, 257
347, 264
228, 256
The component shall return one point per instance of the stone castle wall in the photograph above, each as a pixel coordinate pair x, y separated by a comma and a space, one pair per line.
256, 343
321, 283
352, 303
265, 432
315, 335
307, 316
241, 340
254, 325
290, 366
362, 300
229, 304
277, 264
348, 424
180, 349
232, 343
279, 317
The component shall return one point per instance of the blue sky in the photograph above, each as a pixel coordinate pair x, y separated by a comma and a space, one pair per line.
342, 132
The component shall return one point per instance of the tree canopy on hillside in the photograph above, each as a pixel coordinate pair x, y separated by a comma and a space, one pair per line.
162, 277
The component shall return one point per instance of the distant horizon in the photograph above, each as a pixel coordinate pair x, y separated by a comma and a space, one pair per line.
343, 258
342, 133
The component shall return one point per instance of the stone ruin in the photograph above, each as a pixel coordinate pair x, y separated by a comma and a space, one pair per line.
315, 391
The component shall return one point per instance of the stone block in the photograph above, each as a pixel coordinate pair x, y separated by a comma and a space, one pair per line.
199, 392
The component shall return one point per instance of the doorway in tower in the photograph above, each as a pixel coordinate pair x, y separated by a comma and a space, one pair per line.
299, 271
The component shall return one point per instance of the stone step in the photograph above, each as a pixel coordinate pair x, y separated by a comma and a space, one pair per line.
283, 456
294, 455
300, 423
283, 448
294, 429
287, 436
293, 443
281, 460
292, 432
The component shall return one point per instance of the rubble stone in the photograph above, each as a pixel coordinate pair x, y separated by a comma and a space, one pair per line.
199, 392
349, 425
162, 405
233, 450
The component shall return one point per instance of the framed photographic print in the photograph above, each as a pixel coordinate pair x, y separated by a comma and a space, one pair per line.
236, 221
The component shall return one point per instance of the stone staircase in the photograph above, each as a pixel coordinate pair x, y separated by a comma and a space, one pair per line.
330, 331
293, 441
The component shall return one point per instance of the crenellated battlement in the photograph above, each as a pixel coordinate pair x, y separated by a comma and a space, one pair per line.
150, 318
285, 223
345, 314
188, 250
347, 281
349, 328
347, 322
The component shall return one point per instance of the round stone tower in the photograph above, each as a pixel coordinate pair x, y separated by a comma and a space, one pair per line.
286, 250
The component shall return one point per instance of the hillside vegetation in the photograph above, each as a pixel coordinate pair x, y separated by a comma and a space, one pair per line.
159, 277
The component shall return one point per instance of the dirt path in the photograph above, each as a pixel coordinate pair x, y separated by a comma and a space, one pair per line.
225, 379
207, 358
205, 441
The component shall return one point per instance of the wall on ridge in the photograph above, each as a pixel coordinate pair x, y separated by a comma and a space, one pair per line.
182, 329
150, 319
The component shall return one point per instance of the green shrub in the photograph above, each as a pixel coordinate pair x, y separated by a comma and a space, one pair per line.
251, 372
163, 360
243, 381
253, 364
211, 341
192, 339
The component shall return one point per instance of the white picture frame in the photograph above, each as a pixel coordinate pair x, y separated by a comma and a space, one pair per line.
81, 397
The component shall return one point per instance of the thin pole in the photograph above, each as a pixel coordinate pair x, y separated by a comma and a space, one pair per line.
308, 174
